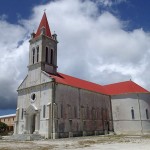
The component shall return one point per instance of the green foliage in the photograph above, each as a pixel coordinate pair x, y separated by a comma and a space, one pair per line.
3, 127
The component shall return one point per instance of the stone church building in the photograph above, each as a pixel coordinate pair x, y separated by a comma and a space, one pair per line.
56, 105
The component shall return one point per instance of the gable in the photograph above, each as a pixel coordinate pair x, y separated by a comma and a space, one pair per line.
45, 77
23, 84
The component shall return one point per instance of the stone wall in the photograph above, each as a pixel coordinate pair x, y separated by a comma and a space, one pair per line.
80, 112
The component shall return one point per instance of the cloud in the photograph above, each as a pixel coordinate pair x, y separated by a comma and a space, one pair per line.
92, 45
109, 3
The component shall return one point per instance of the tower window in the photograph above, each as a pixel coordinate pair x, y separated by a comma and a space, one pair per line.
46, 56
37, 53
132, 113
147, 116
44, 111
52, 53
33, 51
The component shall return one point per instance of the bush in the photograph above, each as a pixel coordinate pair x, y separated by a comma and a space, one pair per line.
3, 127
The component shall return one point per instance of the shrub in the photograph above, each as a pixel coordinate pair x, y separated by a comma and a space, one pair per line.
3, 127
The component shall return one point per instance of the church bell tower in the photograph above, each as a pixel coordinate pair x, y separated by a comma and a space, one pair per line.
43, 48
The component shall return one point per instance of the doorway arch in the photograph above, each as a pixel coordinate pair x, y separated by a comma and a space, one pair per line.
31, 120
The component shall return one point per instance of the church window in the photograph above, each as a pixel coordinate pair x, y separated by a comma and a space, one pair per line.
37, 53
69, 112
44, 111
82, 111
46, 56
75, 111
147, 116
22, 114
61, 111
87, 112
52, 53
70, 123
132, 113
33, 96
33, 55
84, 125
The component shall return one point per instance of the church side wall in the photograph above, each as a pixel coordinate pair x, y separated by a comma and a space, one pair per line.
81, 112
129, 113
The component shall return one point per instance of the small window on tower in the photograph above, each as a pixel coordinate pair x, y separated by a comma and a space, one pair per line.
46, 56
52, 53
33, 54
37, 53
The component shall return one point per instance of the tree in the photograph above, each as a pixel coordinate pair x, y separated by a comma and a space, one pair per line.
3, 127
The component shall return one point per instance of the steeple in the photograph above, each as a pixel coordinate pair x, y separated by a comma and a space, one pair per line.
43, 48
43, 26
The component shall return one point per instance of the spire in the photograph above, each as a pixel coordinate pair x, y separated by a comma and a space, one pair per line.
43, 25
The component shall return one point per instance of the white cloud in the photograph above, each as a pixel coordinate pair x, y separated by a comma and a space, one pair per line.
92, 46
109, 3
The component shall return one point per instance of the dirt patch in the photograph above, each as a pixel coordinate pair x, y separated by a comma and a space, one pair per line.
83, 143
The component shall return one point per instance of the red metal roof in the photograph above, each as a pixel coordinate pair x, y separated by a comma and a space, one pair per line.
43, 23
124, 87
111, 89
79, 83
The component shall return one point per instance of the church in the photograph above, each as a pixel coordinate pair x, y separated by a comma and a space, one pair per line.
56, 105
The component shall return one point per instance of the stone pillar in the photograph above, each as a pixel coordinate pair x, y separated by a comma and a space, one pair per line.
25, 123
37, 117
15, 127
16, 122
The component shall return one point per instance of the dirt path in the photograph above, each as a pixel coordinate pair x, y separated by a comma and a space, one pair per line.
84, 143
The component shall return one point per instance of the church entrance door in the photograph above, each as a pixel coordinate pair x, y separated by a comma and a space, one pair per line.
32, 123
31, 120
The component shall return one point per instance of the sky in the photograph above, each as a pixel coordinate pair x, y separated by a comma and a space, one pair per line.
103, 41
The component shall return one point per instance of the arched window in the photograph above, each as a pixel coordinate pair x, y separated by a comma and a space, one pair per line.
132, 113
33, 55
61, 109
46, 56
51, 60
75, 111
37, 53
147, 116
44, 111
87, 112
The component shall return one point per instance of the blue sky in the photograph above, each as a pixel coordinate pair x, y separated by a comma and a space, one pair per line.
101, 40
134, 11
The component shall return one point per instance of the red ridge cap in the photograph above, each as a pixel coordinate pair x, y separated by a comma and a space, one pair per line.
44, 23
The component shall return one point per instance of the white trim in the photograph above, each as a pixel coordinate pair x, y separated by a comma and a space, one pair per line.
10, 115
